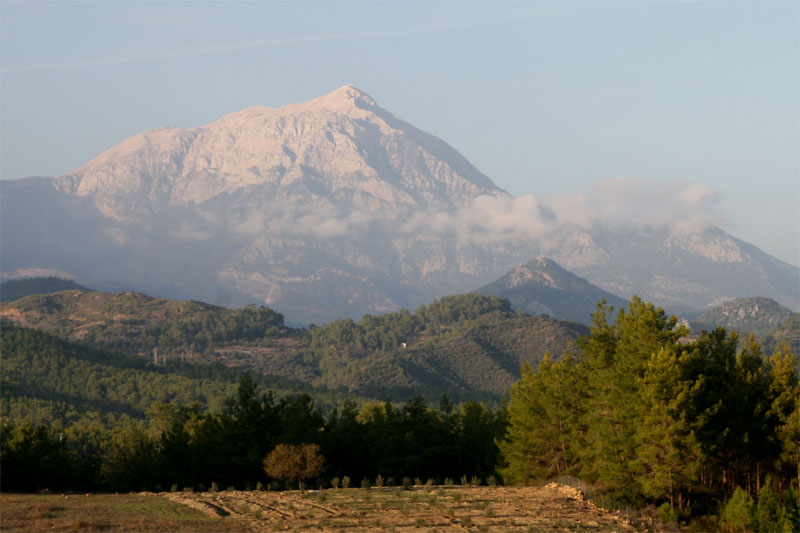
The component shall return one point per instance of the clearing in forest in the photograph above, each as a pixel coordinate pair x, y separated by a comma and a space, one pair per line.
423, 508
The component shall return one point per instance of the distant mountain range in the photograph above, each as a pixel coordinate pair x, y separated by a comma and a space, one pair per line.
336, 208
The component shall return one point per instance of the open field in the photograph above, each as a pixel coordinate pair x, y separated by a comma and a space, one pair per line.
104, 512
549, 508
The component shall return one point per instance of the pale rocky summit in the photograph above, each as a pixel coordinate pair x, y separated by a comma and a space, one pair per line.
335, 208
341, 146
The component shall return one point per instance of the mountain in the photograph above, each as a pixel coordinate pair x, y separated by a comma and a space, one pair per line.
542, 287
335, 208
678, 269
760, 316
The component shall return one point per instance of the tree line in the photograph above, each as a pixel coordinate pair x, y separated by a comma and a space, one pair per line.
185, 446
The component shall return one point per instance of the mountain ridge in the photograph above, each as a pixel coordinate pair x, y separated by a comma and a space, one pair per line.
337, 208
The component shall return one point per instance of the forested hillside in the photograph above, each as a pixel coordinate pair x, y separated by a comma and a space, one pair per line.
48, 380
469, 346
136, 323
456, 344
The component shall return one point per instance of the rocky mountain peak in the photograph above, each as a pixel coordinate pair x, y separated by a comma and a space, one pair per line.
543, 286
343, 98
336, 147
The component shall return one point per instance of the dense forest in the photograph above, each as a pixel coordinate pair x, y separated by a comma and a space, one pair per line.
185, 446
647, 418
707, 430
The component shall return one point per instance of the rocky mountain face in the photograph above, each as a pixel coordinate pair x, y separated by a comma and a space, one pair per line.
541, 286
335, 208
760, 316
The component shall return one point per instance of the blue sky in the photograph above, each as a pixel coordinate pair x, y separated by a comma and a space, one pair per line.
546, 98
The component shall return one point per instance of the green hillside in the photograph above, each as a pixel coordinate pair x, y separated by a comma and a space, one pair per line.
46, 379
468, 346
136, 323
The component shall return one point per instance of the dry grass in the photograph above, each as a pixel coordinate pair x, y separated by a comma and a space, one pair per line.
104, 512
549, 508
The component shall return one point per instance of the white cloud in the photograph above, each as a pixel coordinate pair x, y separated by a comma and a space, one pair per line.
680, 207
626, 202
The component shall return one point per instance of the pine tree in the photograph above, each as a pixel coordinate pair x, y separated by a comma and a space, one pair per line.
668, 455
543, 415
617, 358
784, 391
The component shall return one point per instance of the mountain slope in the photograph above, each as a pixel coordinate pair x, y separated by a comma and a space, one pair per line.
760, 316
542, 287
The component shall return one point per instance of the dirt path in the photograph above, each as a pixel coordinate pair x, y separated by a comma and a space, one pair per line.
549, 508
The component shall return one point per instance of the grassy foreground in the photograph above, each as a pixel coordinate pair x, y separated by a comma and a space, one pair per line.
549, 508
104, 512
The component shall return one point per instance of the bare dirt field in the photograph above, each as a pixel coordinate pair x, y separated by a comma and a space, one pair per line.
549, 508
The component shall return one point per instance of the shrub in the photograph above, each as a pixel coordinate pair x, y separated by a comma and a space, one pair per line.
214, 487
407, 483
365, 483
379, 481
345, 482
666, 513
335, 483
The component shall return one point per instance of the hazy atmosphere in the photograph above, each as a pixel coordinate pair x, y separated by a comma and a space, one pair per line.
400, 266
614, 111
